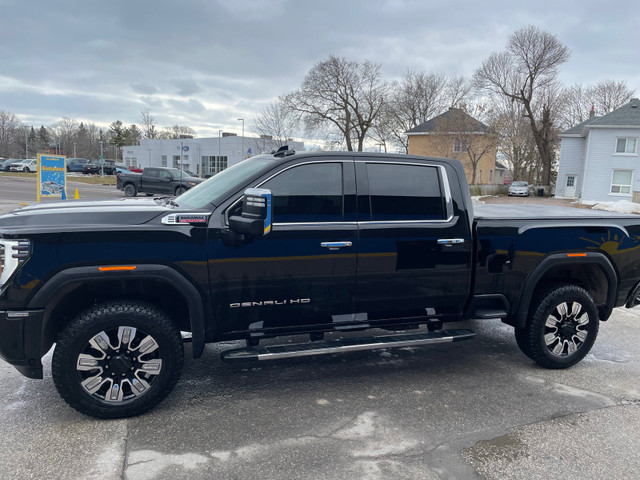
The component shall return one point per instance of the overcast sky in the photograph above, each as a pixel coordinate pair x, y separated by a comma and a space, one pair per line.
206, 63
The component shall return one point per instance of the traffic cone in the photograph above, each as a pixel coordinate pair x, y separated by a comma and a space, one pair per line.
76, 196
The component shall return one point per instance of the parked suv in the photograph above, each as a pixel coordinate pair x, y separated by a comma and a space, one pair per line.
97, 166
29, 165
76, 164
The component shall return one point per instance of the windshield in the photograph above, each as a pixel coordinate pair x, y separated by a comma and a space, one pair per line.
519, 184
213, 190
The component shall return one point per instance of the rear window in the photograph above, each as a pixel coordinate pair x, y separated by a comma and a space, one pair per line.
405, 192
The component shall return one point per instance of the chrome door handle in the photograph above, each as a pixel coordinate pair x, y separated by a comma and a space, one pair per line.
450, 242
335, 245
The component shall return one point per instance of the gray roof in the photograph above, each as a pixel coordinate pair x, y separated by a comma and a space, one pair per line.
625, 116
430, 125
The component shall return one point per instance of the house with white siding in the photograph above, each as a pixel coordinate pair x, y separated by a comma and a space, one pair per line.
599, 157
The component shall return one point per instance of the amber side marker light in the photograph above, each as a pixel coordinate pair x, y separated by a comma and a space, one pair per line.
576, 254
122, 268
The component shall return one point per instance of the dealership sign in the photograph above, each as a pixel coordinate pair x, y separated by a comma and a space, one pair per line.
52, 176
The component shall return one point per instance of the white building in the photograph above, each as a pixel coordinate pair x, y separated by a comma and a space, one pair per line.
200, 156
599, 157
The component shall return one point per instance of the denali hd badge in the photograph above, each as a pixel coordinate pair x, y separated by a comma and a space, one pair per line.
268, 303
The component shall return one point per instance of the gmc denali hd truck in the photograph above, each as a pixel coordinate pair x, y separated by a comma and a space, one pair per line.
285, 244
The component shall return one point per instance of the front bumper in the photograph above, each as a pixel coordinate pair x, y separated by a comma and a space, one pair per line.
20, 340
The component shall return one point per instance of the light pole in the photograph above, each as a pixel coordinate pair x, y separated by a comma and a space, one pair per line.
218, 161
149, 150
74, 149
242, 148
26, 142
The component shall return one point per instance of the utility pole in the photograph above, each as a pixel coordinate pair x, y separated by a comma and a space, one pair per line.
242, 148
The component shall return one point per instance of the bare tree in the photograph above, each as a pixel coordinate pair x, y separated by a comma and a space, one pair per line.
523, 73
65, 131
177, 131
277, 122
416, 98
578, 101
148, 124
338, 95
516, 145
10, 134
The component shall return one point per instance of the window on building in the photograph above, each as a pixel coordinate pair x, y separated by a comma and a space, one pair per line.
457, 146
405, 192
164, 160
490, 176
308, 193
621, 182
176, 161
480, 176
626, 145
213, 164
134, 161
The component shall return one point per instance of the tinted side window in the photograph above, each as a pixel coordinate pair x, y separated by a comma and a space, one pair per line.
405, 192
308, 193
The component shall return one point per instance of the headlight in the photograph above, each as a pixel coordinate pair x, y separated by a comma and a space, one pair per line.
192, 184
12, 254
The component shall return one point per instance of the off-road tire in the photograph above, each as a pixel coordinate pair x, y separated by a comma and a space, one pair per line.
562, 327
74, 343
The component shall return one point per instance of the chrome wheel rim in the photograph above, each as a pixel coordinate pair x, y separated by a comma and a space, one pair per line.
566, 329
119, 365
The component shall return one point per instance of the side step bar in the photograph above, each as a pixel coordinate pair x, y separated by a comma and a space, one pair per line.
346, 345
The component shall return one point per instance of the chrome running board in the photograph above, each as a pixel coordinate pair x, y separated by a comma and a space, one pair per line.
346, 345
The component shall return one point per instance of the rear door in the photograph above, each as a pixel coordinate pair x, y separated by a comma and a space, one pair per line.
415, 249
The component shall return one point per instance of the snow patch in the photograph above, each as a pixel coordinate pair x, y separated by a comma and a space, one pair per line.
621, 206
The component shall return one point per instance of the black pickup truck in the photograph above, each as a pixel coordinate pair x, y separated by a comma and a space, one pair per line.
156, 181
313, 243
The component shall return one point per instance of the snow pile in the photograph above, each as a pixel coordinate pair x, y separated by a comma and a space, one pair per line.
622, 206
477, 199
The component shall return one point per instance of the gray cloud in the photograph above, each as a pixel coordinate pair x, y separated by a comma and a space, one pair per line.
207, 63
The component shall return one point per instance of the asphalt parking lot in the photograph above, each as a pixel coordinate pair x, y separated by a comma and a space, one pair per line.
476, 409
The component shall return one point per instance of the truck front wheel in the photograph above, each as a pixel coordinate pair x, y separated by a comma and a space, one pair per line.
117, 360
180, 190
130, 190
562, 327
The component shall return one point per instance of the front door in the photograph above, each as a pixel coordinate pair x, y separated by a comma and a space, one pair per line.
415, 242
570, 186
303, 272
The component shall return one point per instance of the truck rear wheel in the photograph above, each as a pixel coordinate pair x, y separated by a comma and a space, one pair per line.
117, 360
562, 328
130, 190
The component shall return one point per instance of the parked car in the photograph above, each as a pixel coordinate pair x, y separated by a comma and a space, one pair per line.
108, 167
76, 164
29, 165
519, 189
122, 168
5, 165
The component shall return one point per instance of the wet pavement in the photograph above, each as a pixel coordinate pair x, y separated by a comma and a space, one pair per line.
474, 409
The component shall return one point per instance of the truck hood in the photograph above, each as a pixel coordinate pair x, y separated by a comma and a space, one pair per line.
81, 215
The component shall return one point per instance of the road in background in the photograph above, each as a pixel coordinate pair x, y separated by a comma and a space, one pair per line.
16, 192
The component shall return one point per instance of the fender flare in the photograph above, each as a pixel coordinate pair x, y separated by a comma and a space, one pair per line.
162, 273
556, 259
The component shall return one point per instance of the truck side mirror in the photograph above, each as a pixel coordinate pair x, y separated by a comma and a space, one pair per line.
256, 213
